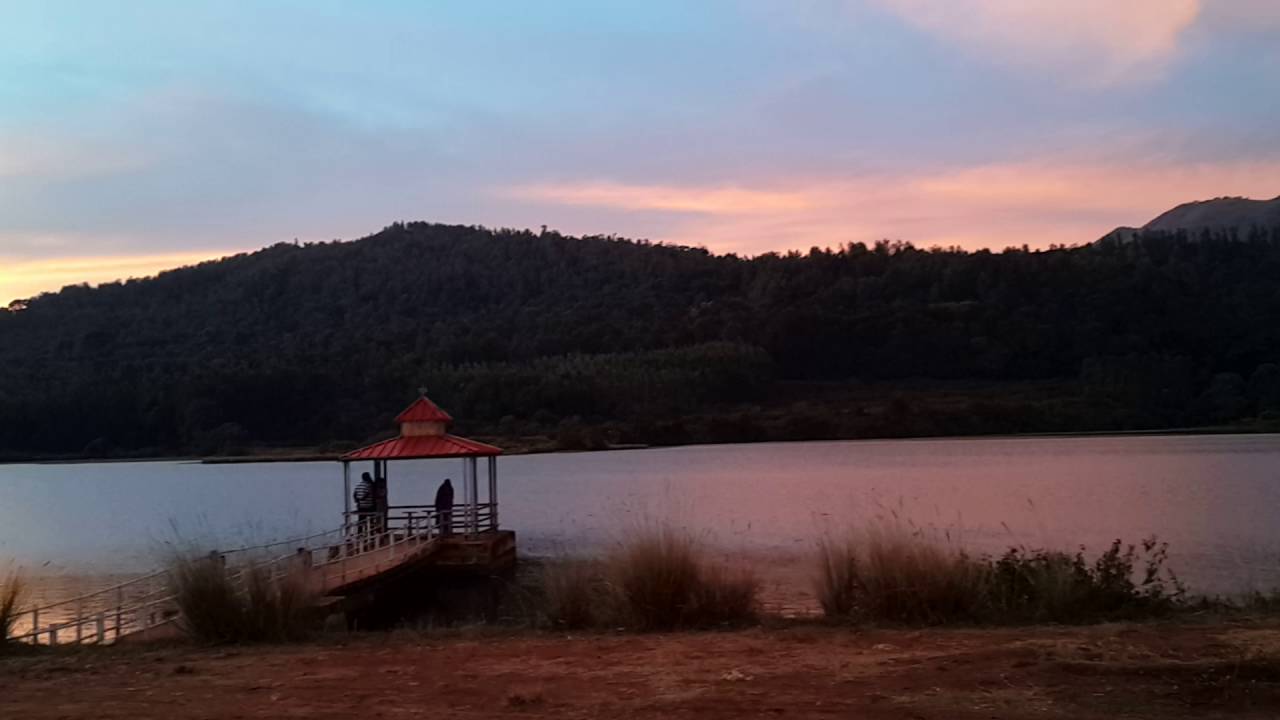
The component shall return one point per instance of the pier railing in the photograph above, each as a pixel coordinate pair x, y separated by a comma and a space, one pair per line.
364, 545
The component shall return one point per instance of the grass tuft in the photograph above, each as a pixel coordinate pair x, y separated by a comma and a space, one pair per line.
12, 590
658, 578
251, 604
835, 583
655, 573
662, 579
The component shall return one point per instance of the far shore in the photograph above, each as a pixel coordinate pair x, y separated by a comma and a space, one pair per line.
544, 445
541, 445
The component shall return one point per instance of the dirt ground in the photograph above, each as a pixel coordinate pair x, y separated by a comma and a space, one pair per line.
1207, 670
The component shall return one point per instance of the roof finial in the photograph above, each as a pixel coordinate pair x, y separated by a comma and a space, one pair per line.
422, 390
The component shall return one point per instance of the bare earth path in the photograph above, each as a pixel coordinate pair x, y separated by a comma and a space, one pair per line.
1113, 671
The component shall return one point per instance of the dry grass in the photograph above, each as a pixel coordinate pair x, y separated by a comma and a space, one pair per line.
658, 578
12, 590
573, 594
655, 573
835, 583
662, 579
725, 597
247, 605
891, 573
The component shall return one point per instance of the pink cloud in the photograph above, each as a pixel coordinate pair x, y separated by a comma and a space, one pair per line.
998, 205
1086, 42
712, 200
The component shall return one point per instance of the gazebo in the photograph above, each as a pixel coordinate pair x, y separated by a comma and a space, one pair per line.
424, 434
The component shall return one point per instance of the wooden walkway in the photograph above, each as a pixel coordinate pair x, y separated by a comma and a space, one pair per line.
329, 564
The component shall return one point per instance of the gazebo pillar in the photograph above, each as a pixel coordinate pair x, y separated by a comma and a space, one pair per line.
473, 495
493, 492
346, 494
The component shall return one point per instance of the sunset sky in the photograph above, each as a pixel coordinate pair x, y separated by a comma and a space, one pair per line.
141, 135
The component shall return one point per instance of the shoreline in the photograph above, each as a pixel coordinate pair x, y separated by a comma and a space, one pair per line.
286, 455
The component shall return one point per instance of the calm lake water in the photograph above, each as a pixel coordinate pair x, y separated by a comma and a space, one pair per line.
1215, 499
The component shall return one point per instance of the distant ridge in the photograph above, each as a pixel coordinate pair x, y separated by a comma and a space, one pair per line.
1218, 214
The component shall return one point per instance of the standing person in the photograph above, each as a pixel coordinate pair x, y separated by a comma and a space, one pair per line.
444, 507
366, 504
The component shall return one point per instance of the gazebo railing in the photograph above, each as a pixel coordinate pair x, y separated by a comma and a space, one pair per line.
462, 520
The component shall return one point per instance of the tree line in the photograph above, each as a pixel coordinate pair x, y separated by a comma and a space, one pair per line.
517, 332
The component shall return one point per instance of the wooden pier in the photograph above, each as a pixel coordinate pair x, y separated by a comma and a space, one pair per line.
378, 545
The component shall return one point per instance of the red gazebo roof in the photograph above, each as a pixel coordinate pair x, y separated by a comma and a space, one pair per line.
422, 435
423, 446
423, 410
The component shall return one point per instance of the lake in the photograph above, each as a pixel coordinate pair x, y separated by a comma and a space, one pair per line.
1215, 499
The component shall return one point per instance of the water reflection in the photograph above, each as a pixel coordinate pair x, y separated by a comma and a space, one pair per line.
1214, 498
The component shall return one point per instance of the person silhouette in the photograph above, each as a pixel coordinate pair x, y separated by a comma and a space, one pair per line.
444, 507
366, 504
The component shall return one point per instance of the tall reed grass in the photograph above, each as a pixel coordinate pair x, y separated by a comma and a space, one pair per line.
663, 578
893, 574
247, 604
13, 588
659, 577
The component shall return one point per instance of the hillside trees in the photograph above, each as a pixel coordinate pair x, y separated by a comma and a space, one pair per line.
317, 343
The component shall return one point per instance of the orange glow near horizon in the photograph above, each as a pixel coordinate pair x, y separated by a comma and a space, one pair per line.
22, 279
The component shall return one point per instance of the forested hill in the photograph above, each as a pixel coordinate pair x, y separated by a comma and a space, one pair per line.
520, 333
1230, 216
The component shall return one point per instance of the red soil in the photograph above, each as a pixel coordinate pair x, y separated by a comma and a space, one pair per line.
1131, 671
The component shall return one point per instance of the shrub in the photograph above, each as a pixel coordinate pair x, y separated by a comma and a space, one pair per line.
1043, 585
252, 604
893, 575
12, 590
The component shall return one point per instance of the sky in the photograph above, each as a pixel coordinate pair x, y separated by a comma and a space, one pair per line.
141, 135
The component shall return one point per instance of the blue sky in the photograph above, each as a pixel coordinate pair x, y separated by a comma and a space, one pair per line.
141, 135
